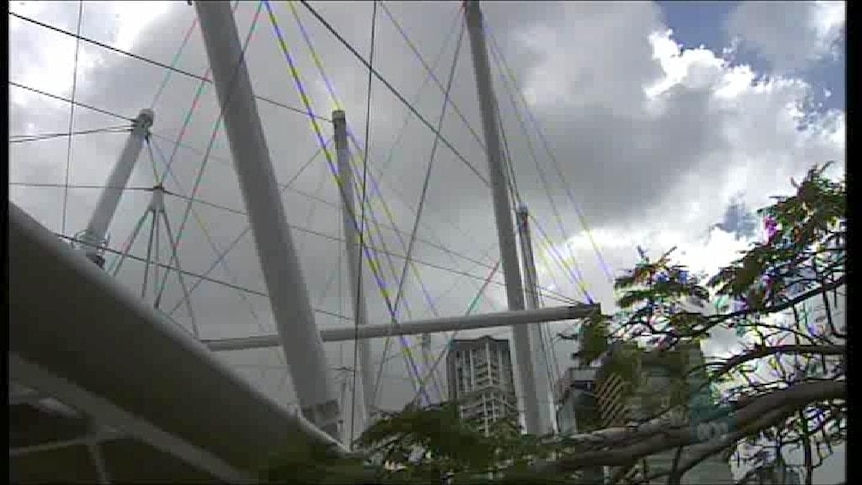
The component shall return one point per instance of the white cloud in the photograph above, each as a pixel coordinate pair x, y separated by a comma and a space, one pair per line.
790, 35
134, 18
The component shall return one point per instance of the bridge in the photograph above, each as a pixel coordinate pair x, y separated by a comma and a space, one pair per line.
104, 387
99, 377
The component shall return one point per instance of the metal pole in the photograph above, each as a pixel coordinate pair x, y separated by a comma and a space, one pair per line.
159, 209
176, 261
288, 295
447, 324
540, 361
137, 230
93, 238
351, 239
502, 212
149, 262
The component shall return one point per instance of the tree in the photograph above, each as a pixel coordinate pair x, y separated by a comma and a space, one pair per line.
803, 402
784, 387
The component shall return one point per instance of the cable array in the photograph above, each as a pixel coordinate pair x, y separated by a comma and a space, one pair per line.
369, 226
372, 261
72, 114
231, 90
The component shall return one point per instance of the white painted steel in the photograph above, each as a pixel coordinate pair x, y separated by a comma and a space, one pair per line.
447, 324
288, 295
539, 352
350, 221
502, 212
94, 237
101, 338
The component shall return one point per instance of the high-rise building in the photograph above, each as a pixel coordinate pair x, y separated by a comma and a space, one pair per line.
480, 378
775, 473
577, 410
602, 396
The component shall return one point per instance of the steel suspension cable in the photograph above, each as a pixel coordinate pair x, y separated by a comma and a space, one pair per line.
13, 139
71, 101
376, 188
469, 311
553, 158
307, 103
194, 104
207, 235
245, 231
381, 283
362, 212
430, 71
72, 116
428, 171
404, 340
556, 296
393, 90
177, 56
334, 98
577, 277
168, 267
542, 177
399, 235
150, 61
231, 90
400, 195
479, 295
408, 116
62, 186
315, 58
319, 65
377, 269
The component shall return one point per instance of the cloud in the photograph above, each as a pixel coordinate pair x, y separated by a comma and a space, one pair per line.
653, 143
790, 36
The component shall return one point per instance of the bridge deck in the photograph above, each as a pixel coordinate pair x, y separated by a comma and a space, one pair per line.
75, 334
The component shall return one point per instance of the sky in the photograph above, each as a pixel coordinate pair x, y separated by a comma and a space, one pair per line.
627, 124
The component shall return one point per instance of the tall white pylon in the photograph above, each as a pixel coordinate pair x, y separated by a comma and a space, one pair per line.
503, 214
350, 222
540, 353
93, 239
288, 294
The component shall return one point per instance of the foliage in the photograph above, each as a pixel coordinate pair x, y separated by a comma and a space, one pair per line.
783, 387
305, 461
801, 261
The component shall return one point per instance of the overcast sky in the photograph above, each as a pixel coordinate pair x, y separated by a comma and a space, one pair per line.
646, 124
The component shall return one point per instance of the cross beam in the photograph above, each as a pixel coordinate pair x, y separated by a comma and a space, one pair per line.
470, 322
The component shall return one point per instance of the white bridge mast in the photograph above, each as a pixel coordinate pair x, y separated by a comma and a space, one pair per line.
288, 295
94, 238
503, 214
540, 353
351, 238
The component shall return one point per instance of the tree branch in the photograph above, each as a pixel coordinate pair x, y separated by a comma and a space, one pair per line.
649, 441
715, 320
760, 352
